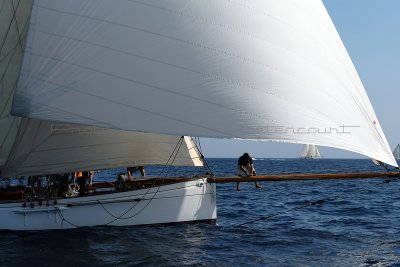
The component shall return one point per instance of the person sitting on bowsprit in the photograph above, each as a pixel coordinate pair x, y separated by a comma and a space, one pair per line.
245, 166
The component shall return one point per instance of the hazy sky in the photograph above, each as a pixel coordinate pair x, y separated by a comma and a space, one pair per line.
370, 30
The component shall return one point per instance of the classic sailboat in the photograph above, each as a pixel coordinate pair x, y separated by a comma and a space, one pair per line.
221, 69
396, 152
310, 152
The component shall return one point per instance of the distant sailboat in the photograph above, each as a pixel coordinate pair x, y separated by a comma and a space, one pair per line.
310, 152
265, 70
396, 152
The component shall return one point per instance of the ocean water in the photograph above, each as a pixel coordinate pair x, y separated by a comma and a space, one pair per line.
287, 223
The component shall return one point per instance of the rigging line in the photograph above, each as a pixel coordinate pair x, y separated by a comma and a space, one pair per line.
9, 25
175, 151
62, 217
199, 150
16, 25
14, 48
2, 6
149, 200
312, 203
12, 52
136, 203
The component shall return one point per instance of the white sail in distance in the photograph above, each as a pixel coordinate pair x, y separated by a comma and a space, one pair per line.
265, 70
304, 151
396, 152
310, 152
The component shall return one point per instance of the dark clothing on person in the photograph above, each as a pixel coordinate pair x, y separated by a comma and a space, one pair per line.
245, 165
244, 161
81, 181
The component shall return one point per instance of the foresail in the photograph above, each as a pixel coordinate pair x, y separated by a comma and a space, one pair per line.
47, 148
262, 69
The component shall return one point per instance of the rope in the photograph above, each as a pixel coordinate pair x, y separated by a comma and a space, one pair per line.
173, 155
5, 38
62, 217
199, 150
172, 159
9, 25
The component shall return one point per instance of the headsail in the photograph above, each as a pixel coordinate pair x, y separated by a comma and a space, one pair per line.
45, 148
229, 69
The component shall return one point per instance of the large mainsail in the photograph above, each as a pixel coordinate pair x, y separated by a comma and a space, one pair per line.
262, 69
38, 147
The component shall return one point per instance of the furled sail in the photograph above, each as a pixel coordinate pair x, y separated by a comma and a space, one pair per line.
396, 152
46, 148
310, 152
262, 69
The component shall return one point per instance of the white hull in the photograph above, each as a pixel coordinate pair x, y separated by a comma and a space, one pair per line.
180, 202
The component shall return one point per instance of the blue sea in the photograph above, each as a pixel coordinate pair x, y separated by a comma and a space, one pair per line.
286, 223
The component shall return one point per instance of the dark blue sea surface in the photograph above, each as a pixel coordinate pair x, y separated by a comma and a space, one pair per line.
286, 223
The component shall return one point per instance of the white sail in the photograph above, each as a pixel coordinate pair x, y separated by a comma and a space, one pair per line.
46, 148
13, 28
42, 147
317, 154
396, 152
304, 151
265, 69
310, 152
